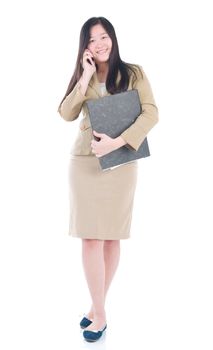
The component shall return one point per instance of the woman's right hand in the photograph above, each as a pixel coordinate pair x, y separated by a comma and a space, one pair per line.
88, 67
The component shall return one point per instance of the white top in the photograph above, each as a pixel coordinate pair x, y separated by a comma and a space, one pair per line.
103, 88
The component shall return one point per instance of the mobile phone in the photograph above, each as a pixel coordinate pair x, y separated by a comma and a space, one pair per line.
89, 60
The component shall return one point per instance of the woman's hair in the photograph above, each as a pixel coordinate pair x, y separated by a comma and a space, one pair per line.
115, 62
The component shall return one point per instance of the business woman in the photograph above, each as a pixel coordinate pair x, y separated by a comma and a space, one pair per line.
101, 202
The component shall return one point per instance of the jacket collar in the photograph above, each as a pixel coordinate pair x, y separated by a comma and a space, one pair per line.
94, 83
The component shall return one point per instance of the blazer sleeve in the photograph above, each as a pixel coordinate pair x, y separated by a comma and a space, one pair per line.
72, 104
136, 133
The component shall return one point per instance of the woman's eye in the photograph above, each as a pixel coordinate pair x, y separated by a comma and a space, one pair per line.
103, 37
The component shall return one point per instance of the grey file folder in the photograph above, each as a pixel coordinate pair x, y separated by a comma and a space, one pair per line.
112, 115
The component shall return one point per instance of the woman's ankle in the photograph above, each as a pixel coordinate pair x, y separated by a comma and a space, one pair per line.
98, 314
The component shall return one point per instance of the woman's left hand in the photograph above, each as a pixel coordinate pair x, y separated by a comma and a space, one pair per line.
104, 146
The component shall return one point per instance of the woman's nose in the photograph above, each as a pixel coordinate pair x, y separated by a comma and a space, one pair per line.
99, 44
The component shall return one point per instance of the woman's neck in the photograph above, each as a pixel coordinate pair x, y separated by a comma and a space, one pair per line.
102, 72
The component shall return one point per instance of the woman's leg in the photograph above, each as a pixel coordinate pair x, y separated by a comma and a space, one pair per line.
111, 259
94, 267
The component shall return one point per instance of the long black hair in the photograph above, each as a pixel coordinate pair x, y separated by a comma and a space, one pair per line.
115, 62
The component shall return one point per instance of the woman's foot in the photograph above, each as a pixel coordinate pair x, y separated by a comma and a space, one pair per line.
98, 323
90, 314
87, 319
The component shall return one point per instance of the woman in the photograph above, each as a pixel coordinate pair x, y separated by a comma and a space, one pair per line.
101, 202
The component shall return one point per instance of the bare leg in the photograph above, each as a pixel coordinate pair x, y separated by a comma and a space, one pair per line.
94, 267
111, 259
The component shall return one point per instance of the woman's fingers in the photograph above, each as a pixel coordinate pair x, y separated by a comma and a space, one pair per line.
88, 54
88, 62
91, 60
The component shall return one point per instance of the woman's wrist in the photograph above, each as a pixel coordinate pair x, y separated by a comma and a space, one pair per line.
86, 76
84, 81
119, 142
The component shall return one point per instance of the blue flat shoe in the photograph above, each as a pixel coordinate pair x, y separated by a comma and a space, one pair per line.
85, 322
92, 336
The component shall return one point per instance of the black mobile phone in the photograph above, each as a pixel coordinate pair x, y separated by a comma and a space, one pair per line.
89, 60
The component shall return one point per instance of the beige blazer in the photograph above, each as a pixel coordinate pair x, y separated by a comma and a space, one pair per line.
74, 104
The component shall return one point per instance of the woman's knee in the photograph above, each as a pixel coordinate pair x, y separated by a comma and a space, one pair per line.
112, 243
92, 243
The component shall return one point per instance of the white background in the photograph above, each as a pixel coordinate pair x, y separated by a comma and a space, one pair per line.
161, 297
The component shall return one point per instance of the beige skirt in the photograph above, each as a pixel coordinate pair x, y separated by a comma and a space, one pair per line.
101, 202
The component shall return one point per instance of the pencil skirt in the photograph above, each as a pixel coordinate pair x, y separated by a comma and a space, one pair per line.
101, 202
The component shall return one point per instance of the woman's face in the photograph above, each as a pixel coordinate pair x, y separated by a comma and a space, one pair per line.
100, 44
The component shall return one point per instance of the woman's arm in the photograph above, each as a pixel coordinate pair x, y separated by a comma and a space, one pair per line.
72, 104
136, 133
